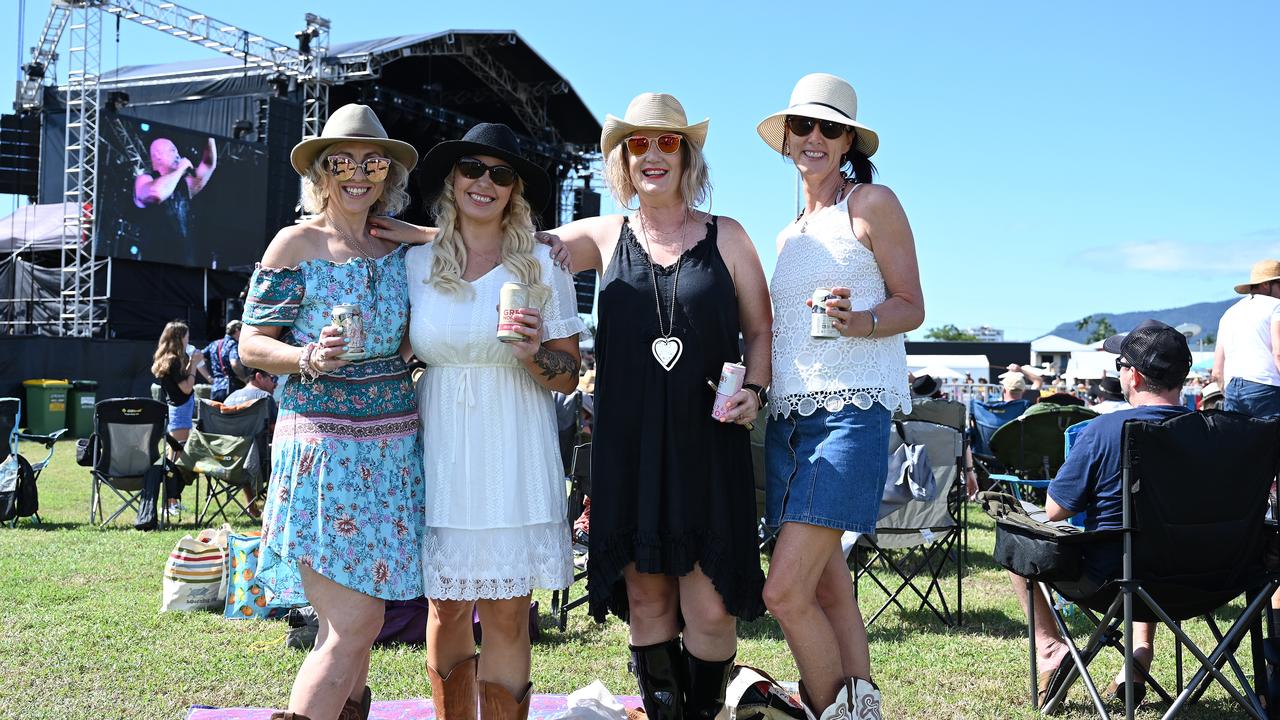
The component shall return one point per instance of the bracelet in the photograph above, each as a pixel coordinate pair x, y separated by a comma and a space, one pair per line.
306, 369
874, 322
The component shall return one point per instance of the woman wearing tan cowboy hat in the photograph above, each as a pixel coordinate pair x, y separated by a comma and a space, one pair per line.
341, 529
495, 525
673, 518
833, 397
1246, 361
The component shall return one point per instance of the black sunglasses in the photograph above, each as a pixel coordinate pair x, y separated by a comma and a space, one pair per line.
1120, 363
802, 126
472, 169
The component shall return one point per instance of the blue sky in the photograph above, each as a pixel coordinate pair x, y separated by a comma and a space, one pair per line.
1055, 159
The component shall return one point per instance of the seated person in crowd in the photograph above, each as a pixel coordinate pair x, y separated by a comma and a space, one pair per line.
1110, 396
261, 386
1019, 383
1154, 361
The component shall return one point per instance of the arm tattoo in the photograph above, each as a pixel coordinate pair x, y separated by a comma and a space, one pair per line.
554, 362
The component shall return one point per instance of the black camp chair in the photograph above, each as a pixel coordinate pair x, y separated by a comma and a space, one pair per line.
579, 488
23, 499
227, 447
1194, 538
916, 545
128, 434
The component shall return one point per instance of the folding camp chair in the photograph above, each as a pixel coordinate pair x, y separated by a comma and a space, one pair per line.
986, 418
1032, 446
1175, 551
128, 434
918, 543
579, 489
22, 499
227, 449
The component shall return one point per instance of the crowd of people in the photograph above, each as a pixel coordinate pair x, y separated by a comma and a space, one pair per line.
389, 484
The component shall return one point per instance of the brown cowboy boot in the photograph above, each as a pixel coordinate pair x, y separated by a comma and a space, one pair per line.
454, 694
286, 715
497, 703
357, 709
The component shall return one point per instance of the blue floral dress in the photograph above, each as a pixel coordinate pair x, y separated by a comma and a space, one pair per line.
346, 493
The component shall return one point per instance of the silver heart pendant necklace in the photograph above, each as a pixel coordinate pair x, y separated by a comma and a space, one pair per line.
666, 349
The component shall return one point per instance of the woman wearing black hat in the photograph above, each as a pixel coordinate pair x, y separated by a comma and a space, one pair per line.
495, 526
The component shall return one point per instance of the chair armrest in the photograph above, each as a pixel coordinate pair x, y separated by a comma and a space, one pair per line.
46, 440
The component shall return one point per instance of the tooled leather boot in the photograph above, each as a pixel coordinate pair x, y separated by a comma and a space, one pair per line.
454, 694
497, 702
659, 671
705, 688
286, 715
357, 709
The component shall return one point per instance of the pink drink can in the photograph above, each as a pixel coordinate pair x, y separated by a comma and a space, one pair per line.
732, 375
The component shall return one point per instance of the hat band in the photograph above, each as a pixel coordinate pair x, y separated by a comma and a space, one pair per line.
829, 107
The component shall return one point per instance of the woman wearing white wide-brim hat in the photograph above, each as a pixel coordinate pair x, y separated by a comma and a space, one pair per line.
673, 516
342, 525
833, 398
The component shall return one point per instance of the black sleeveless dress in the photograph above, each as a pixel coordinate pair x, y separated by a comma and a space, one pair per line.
671, 487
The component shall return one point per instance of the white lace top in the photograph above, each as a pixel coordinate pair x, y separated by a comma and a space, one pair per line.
809, 373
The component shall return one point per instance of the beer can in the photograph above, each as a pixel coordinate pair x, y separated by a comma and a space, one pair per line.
351, 321
511, 298
732, 375
821, 325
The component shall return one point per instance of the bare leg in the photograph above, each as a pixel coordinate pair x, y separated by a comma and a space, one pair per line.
349, 623
505, 659
835, 596
1144, 647
710, 632
1050, 648
449, 636
802, 554
652, 600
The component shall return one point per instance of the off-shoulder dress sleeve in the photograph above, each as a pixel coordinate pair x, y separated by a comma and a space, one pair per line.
275, 296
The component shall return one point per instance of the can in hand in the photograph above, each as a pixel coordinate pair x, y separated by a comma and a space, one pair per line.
821, 325
511, 298
350, 320
732, 375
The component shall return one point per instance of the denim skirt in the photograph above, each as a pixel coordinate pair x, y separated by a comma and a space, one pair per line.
828, 468
180, 415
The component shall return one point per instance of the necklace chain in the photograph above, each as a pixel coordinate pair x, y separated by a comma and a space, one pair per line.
804, 214
653, 273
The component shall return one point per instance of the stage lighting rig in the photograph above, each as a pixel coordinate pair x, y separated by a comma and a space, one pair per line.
34, 70
241, 129
279, 82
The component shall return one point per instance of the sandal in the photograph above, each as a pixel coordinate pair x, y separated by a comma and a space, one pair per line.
1048, 682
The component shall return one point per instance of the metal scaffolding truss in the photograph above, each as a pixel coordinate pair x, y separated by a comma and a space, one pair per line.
43, 55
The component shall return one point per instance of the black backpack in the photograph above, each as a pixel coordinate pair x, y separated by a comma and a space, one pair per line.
18, 495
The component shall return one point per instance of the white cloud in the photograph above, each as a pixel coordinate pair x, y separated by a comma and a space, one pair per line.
1231, 256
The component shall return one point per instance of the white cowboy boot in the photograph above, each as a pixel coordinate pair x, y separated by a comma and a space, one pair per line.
857, 699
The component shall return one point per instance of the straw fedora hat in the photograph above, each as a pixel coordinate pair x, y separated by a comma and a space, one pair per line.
496, 140
1262, 271
823, 97
351, 123
652, 111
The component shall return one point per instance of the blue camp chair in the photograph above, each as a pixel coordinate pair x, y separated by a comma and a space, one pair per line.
986, 418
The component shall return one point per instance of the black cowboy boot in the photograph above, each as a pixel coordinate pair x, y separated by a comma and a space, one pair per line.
659, 670
704, 691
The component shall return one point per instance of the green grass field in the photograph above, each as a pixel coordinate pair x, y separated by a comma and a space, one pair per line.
81, 636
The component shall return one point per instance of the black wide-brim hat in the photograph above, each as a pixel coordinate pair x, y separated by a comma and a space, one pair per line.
496, 140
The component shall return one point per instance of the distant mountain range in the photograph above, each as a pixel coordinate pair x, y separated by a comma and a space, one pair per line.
1205, 314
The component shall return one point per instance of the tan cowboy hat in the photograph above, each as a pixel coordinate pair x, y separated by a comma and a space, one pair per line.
823, 97
1262, 271
351, 123
652, 111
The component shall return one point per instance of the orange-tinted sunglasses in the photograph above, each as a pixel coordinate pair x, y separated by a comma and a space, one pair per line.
667, 143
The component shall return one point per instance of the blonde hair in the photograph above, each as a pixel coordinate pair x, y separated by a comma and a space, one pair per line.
170, 352
315, 192
517, 245
695, 180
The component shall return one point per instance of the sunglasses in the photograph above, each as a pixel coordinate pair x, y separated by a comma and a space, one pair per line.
501, 175
802, 126
1120, 363
344, 168
639, 144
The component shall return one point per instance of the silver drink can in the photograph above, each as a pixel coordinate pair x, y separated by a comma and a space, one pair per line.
511, 298
351, 321
821, 325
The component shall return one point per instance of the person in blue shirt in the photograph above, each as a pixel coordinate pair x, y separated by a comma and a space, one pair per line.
1153, 363
223, 357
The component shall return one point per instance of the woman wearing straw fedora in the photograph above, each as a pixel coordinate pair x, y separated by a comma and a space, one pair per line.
342, 526
495, 526
673, 518
1246, 361
833, 398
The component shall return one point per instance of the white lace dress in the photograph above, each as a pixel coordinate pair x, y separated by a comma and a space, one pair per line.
809, 373
495, 491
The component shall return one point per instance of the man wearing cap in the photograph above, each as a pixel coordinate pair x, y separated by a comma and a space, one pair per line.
1153, 362
1246, 362
1020, 383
